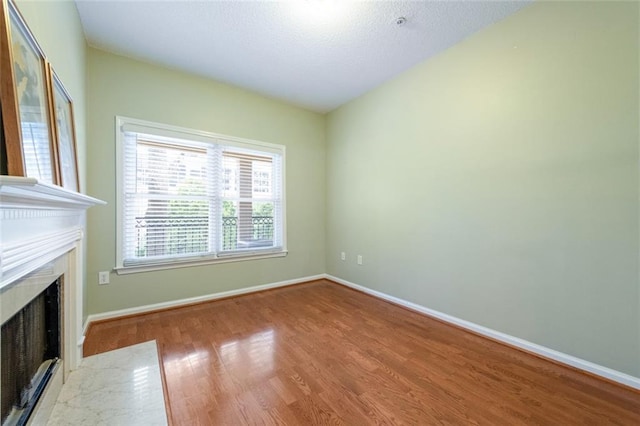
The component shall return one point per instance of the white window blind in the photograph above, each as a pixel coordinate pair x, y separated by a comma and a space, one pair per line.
191, 196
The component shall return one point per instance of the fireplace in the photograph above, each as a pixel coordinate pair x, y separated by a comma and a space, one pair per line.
30, 342
41, 287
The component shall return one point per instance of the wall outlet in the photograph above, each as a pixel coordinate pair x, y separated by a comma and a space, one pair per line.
103, 277
343, 256
359, 259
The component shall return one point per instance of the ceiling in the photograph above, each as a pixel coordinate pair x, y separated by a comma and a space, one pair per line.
317, 54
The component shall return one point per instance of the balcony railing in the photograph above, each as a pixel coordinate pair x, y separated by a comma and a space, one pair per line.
169, 235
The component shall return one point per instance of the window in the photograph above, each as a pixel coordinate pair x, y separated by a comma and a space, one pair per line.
186, 196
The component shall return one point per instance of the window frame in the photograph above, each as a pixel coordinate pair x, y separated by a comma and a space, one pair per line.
163, 130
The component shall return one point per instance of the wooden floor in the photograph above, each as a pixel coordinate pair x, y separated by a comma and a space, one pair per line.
320, 353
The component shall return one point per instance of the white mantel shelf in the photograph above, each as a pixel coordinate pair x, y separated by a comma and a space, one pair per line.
20, 192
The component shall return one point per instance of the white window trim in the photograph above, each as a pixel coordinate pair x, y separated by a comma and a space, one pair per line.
200, 135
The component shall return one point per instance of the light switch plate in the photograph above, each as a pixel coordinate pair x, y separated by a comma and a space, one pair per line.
103, 277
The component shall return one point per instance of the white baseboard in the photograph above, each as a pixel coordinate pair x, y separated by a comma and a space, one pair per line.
181, 302
85, 327
545, 352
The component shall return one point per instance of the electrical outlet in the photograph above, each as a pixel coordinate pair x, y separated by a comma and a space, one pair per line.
103, 277
359, 259
343, 256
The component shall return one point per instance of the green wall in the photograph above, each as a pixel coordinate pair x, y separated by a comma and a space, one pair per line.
121, 86
498, 182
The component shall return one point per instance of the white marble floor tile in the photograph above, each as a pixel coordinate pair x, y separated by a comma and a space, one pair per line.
121, 387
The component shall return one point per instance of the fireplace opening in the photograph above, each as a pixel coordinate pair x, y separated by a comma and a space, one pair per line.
31, 342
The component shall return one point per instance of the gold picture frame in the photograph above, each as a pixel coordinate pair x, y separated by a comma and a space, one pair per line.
65, 148
25, 94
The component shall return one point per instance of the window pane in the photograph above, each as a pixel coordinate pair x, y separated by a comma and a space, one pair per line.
248, 186
187, 199
171, 209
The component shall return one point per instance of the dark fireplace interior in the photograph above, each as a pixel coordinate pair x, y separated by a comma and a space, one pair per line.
30, 353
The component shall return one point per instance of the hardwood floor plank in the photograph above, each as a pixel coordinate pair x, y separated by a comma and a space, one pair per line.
320, 353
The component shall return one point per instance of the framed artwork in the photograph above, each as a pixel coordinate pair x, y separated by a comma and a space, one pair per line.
24, 89
66, 154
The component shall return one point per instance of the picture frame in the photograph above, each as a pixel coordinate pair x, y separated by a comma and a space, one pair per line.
66, 153
25, 93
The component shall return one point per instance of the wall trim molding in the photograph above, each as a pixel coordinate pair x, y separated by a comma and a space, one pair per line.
542, 351
192, 300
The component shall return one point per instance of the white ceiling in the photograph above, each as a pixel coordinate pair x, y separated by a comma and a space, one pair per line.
318, 54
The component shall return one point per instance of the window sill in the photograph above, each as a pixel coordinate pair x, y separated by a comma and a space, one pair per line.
134, 269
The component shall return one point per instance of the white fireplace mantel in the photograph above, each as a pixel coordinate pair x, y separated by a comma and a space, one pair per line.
41, 239
39, 222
